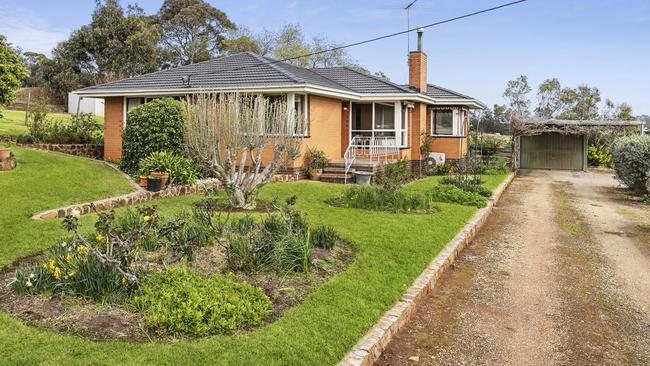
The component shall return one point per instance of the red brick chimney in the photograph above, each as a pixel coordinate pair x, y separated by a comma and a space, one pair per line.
418, 66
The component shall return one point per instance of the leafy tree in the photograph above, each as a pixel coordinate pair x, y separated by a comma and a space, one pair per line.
115, 45
192, 30
491, 121
34, 65
549, 98
12, 73
580, 103
517, 95
290, 43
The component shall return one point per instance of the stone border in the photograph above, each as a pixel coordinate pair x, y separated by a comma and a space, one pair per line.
127, 199
370, 347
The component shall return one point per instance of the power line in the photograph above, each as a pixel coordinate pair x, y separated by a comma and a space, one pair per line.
468, 15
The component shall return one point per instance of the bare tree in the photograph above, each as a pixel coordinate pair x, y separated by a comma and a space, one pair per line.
228, 133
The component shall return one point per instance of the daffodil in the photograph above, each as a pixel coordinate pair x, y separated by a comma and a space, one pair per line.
72, 272
100, 238
51, 265
68, 257
82, 249
31, 275
28, 283
147, 218
57, 273
124, 281
64, 244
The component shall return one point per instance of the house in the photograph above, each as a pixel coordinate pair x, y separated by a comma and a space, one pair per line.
350, 115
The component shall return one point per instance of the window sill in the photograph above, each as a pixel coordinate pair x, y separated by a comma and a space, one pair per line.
449, 136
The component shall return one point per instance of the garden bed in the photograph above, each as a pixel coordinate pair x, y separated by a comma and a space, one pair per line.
106, 321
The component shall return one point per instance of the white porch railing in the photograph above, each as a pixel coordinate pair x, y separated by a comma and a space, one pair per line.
370, 148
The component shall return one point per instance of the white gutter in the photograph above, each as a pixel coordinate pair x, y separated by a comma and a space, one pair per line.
305, 88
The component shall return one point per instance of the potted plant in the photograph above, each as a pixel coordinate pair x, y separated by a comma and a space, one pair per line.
143, 181
154, 184
315, 161
164, 177
5, 152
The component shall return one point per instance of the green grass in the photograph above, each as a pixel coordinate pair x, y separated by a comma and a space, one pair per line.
13, 122
392, 250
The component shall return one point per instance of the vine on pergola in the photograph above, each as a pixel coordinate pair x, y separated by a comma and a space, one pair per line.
532, 126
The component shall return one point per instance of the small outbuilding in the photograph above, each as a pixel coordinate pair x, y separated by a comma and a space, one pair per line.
558, 144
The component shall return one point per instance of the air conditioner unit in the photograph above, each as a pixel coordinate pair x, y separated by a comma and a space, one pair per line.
435, 159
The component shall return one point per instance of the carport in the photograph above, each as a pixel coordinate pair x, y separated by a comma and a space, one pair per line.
559, 144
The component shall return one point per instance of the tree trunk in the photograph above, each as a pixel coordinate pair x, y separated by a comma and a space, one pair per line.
240, 198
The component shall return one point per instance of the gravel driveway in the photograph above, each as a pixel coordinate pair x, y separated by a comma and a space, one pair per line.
560, 274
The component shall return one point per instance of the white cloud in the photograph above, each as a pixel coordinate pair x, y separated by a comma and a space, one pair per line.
29, 32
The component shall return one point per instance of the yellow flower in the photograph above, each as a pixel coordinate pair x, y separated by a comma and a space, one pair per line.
68, 257
124, 281
100, 238
51, 264
82, 249
147, 218
72, 272
57, 273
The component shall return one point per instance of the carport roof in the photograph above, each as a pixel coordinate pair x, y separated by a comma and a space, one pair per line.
584, 122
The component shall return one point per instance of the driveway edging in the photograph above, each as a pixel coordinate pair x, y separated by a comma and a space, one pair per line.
370, 347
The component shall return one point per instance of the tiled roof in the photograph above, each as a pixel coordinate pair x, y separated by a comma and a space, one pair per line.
360, 82
247, 69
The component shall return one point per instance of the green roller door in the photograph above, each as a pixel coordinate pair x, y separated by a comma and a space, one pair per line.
552, 151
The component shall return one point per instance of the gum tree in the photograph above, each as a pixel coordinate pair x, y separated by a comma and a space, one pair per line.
243, 139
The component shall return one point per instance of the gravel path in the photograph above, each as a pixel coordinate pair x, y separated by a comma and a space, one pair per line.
559, 275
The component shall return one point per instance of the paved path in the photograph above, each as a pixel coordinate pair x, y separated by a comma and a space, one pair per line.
559, 275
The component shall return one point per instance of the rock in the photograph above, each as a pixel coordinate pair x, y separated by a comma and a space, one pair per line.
414, 358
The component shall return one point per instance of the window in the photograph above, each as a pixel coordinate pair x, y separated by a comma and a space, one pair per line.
132, 103
442, 122
300, 105
384, 116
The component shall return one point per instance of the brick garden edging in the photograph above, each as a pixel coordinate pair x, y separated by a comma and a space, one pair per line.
370, 347
87, 150
127, 199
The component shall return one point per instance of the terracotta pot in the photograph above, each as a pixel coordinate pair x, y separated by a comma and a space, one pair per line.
4, 153
164, 177
143, 181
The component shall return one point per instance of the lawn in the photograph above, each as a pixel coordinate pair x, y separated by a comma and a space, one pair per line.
392, 250
13, 122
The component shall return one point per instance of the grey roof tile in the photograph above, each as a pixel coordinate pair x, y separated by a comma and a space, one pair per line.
360, 82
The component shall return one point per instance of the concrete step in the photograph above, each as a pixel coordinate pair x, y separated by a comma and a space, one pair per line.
336, 170
337, 178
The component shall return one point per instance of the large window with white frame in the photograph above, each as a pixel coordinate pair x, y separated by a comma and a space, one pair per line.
300, 103
447, 122
379, 120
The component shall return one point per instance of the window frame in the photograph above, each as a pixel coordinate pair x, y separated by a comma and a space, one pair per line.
458, 122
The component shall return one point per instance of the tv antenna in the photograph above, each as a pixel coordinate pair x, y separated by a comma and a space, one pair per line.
408, 25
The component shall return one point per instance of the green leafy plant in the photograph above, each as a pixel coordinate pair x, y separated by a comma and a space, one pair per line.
452, 194
181, 170
316, 159
468, 183
324, 237
154, 126
393, 175
181, 302
631, 160
379, 199
185, 233
599, 156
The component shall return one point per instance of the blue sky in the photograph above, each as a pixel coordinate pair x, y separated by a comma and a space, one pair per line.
602, 43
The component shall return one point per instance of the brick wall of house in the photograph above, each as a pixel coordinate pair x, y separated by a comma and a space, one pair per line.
113, 122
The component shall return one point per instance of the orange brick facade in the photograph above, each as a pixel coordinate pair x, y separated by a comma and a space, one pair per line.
418, 70
113, 122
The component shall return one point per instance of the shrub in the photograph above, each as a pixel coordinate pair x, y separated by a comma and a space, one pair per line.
181, 170
631, 160
181, 302
379, 199
468, 183
81, 129
185, 233
452, 194
599, 156
393, 175
316, 159
488, 144
323, 237
154, 126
